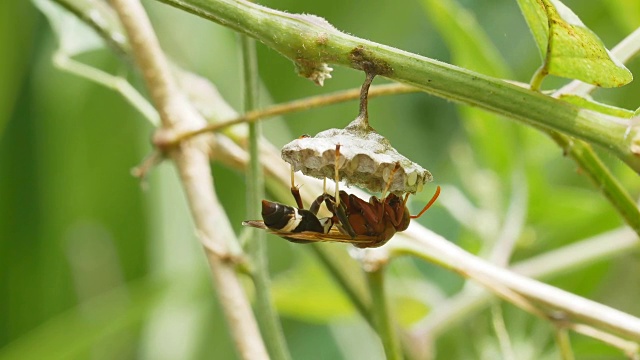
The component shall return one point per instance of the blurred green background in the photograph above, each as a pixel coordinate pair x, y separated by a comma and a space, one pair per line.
94, 266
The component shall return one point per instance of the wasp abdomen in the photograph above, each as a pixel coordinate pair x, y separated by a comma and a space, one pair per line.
285, 218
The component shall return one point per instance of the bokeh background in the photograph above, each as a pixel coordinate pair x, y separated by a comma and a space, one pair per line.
93, 265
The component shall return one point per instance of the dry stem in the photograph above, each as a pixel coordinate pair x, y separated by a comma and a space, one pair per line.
192, 162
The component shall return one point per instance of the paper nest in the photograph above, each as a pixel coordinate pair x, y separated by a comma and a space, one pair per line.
366, 159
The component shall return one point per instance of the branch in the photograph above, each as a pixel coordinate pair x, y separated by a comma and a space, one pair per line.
420, 242
310, 42
290, 107
257, 247
385, 326
193, 166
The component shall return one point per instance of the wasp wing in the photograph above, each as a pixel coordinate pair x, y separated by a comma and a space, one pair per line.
334, 235
256, 224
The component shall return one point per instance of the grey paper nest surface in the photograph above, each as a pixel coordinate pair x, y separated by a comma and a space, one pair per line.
366, 159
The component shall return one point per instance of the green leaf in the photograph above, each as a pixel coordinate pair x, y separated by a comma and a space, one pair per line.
591, 104
569, 48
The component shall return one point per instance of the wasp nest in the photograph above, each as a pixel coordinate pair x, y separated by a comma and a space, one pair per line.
366, 159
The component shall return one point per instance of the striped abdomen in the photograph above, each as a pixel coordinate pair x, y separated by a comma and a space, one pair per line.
289, 219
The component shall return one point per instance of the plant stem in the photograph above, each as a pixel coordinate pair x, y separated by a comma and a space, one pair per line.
193, 166
311, 42
538, 77
501, 332
628, 347
563, 260
434, 248
116, 83
587, 158
267, 316
559, 320
308, 103
381, 314
564, 343
598, 172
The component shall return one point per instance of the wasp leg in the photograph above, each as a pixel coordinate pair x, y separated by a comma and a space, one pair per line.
327, 224
390, 181
383, 201
315, 206
337, 175
344, 224
334, 205
341, 219
295, 191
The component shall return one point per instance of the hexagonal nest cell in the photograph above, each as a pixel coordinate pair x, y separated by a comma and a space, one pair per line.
367, 159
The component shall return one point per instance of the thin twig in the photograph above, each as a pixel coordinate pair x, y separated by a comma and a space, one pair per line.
501, 332
630, 348
586, 157
563, 260
297, 106
559, 320
564, 343
257, 246
194, 169
434, 248
116, 83
513, 223
380, 310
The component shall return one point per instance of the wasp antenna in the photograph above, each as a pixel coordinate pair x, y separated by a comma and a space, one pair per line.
426, 207
295, 190
337, 175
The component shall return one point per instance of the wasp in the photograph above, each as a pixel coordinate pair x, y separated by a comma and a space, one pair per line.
357, 222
